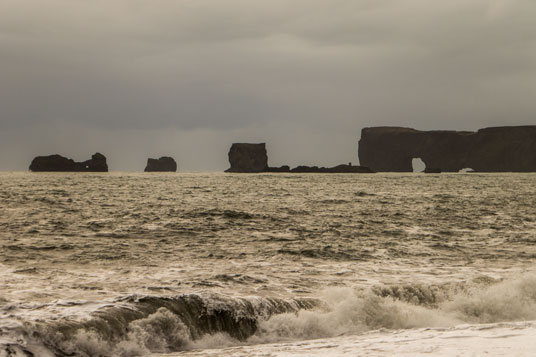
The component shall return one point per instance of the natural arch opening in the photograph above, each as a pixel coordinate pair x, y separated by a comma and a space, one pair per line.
418, 165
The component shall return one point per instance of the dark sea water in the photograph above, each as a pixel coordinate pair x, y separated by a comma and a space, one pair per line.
124, 264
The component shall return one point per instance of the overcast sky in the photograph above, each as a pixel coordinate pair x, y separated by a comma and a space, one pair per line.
143, 78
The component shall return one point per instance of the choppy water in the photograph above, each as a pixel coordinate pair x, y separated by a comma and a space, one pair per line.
132, 264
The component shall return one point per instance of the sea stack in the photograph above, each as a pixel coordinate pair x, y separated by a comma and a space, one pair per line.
496, 149
59, 163
248, 158
163, 164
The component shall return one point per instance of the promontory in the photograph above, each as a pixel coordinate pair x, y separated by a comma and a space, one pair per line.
495, 149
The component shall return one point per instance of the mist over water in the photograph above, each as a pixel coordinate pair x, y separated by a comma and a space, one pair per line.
131, 264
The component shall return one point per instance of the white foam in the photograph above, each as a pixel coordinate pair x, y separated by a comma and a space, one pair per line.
501, 339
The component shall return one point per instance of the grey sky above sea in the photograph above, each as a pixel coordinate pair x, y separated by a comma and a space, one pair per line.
135, 79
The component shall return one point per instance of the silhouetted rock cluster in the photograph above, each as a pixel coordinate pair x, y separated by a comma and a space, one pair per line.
251, 158
497, 149
163, 164
59, 163
383, 149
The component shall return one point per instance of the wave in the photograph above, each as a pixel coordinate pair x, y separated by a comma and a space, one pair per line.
433, 295
139, 325
327, 252
227, 214
231, 214
484, 300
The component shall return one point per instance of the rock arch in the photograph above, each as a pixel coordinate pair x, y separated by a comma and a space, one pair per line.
498, 149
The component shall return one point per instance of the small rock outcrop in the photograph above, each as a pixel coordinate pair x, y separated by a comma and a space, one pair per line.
60, 163
248, 158
339, 169
497, 149
284, 168
163, 164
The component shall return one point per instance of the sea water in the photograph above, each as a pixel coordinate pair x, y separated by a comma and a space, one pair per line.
124, 264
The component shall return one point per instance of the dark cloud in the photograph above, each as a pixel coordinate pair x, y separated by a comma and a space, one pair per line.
304, 75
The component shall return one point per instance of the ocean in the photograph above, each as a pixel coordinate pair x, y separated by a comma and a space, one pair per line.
167, 264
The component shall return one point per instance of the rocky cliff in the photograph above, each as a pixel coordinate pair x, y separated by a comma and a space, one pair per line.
498, 149
248, 158
163, 164
61, 163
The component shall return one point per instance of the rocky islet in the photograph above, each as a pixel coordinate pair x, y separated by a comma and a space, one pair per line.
162, 164
58, 163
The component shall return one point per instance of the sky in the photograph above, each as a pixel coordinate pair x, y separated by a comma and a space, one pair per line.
134, 79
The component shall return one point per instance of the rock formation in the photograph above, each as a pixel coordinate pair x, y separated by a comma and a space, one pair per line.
497, 149
284, 168
248, 158
60, 163
253, 158
163, 164
339, 169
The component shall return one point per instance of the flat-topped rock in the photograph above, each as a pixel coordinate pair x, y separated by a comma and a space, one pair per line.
245, 157
496, 149
162, 164
59, 163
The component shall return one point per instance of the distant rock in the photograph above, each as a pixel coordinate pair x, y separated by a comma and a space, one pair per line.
60, 163
284, 168
339, 169
163, 164
96, 164
497, 149
246, 158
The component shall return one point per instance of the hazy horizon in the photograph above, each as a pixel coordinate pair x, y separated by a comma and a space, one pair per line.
133, 79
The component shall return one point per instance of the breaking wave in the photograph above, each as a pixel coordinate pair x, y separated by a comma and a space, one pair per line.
139, 325
402, 307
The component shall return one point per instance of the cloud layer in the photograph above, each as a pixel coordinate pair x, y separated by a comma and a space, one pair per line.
141, 78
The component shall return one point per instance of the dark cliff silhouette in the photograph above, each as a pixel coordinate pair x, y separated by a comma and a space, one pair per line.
163, 164
59, 163
497, 149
